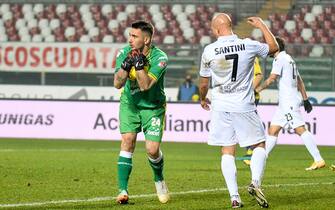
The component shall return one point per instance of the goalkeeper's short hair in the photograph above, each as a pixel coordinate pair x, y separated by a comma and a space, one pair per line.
144, 26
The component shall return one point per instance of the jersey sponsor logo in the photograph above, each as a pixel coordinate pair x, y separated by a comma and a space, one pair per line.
153, 133
229, 89
229, 49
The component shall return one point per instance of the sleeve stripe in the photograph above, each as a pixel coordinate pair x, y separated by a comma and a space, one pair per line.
152, 76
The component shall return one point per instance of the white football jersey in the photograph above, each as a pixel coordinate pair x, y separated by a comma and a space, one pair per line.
284, 66
230, 63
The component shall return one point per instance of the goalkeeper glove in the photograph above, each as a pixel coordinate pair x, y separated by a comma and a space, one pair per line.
127, 64
308, 106
139, 62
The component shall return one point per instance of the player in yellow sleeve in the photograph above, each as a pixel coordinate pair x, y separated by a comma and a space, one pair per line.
258, 77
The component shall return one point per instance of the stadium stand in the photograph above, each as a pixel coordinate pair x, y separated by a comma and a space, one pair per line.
182, 29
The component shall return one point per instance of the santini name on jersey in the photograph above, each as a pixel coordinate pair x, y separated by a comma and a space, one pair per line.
229, 49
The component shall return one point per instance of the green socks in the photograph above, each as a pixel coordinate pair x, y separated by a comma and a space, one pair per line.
157, 167
124, 166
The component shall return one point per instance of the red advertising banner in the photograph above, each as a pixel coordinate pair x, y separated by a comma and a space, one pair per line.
58, 57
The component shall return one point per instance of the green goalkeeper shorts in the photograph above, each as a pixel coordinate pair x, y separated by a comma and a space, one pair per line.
133, 120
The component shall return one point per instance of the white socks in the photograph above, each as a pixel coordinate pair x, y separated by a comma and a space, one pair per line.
126, 154
270, 143
257, 165
228, 169
309, 142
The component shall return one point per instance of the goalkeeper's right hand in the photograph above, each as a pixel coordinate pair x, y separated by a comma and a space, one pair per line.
127, 64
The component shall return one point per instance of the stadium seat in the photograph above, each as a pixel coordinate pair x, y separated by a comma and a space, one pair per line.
317, 51
37, 38
85, 39
50, 38
2, 31
306, 34
61, 9
317, 10
32, 23
108, 39
3, 38
70, 32
23, 31
188, 33
168, 39
160, 25
84, 9
20, 23
204, 40
290, 26
177, 9
43, 23
6, 16
130, 8
27, 8
106, 9
309, 17
89, 24
154, 9
26, 38
4, 8
190, 8
121, 16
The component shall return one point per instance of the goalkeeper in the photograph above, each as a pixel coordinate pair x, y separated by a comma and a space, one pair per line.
140, 69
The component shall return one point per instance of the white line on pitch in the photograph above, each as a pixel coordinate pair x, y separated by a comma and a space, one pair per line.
65, 150
109, 198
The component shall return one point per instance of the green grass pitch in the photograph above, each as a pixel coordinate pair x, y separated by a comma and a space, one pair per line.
58, 174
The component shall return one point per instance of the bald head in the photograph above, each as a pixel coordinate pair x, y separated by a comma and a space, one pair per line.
221, 25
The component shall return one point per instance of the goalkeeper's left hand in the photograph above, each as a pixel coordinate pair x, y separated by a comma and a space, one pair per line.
308, 106
139, 61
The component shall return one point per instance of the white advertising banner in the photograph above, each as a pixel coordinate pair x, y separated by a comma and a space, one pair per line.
58, 57
111, 93
100, 121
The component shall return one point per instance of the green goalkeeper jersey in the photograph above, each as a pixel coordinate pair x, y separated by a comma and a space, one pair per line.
156, 68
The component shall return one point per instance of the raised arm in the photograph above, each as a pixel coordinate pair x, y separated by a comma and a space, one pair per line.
120, 77
257, 22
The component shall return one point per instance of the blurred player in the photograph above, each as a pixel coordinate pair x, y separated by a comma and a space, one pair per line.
288, 114
229, 63
140, 69
258, 76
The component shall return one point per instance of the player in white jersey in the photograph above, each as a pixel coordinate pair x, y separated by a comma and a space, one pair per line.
229, 62
288, 114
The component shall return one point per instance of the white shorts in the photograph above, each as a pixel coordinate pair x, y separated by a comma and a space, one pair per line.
230, 128
288, 119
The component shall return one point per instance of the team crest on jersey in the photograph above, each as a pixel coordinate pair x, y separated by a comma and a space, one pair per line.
162, 64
